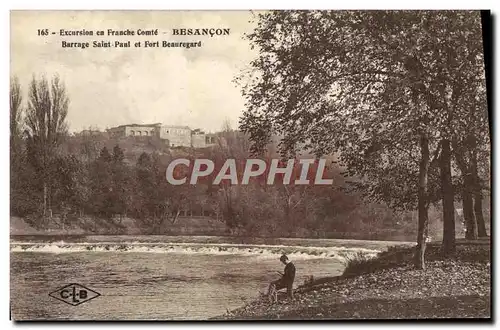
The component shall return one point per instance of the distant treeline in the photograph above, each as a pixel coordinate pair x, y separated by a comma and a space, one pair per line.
111, 187
58, 177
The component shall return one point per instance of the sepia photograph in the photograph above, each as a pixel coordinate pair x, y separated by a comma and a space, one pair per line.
246, 165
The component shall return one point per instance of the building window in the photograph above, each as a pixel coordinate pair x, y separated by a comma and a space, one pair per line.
146, 133
132, 132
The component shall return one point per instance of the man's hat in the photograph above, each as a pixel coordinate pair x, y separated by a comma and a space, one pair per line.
283, 257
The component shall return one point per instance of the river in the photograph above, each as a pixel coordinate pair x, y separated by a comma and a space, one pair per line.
161, 277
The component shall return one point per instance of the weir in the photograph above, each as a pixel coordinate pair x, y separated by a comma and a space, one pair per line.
261, 251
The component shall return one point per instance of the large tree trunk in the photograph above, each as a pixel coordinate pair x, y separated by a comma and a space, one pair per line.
448, 199
470, 219
467, 191
44, 199
49, 199
477, 194
478, 211
423, 216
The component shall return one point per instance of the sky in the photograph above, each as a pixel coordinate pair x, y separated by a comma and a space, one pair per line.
114, 86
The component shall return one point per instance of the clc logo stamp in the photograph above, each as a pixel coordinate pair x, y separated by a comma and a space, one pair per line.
74, 294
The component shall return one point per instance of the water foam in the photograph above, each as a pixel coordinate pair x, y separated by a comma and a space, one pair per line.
261, 251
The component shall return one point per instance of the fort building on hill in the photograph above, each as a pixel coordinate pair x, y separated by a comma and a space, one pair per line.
174, 136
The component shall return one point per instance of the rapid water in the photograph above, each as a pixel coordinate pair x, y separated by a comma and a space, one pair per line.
159, 277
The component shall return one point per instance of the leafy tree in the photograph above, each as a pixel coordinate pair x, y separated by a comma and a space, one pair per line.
101, 201
377, 87
118, 155
104, 155
89, 146
16, 155
121, 183
155, 201
46, 128
471, 152
16, 112
71, 188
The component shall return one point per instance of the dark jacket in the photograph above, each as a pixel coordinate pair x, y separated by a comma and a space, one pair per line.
289, 274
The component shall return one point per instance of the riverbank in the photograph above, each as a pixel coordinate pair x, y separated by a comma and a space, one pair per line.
184, 226
388, 287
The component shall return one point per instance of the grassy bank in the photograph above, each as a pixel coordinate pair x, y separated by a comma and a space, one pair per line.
185, 225
388, 287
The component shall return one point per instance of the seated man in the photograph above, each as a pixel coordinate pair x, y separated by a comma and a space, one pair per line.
286, 281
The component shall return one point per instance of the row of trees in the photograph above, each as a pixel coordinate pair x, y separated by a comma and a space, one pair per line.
400, 95
57, 178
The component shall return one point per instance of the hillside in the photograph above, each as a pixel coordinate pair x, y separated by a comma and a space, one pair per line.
89, 147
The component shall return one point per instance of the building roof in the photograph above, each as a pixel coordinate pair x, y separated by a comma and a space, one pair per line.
157, 125
137, 125
176, 126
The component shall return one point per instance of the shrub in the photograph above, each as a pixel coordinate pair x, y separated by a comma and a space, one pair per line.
358, 263
398, 256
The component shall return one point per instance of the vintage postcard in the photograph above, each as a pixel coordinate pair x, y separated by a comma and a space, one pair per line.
250, 165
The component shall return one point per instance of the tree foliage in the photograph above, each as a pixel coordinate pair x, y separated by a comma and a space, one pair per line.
365, 84
46, 128
383, 89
